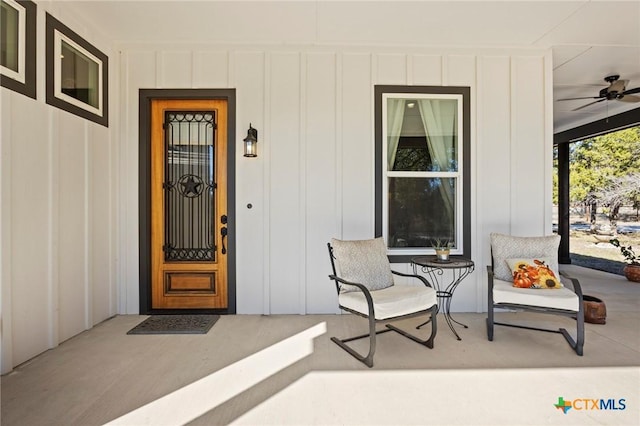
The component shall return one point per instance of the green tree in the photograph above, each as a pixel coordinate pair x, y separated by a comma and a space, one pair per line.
599, 164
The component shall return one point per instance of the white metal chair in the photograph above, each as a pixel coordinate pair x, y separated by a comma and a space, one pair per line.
508, 254
365, 285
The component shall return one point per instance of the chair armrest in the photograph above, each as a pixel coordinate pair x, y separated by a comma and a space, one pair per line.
361, 287
577, 288
420, 277
490, 276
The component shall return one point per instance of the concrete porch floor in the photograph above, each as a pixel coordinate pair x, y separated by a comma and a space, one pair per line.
283, 369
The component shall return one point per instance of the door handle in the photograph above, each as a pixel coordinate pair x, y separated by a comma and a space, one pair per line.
223, 233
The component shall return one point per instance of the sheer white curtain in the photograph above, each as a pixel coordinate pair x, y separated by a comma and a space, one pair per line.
395, 118
439, 120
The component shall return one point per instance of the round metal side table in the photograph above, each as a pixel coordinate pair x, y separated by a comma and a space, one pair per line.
434, 269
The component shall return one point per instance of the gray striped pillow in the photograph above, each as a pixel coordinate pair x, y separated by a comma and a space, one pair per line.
364, 262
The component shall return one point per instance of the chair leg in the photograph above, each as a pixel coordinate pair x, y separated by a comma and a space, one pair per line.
578, 344
434, 329
368, 359
490, 324
580, 334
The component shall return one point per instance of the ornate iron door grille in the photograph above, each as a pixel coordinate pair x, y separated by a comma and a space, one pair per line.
189, 186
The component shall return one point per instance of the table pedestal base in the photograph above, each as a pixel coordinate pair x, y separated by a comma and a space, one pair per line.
434, 270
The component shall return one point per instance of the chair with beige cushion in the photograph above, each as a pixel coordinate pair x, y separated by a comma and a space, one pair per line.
520, 262
365, 285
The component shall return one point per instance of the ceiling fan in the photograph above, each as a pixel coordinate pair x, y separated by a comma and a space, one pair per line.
615, 91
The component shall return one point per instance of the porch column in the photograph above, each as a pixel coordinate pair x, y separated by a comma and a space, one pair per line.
563, 203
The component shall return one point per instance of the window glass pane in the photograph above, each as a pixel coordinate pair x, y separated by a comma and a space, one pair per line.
189, 187
79, 75
9, 39
422, 134
421, 210
412, 155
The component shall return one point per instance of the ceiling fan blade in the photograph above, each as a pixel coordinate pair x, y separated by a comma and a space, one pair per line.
629, 98
576, 99
631, 91
591, 103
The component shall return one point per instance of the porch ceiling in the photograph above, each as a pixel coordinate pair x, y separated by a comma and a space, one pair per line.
589, 39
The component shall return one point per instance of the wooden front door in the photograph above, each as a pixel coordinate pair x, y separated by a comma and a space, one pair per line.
188, 204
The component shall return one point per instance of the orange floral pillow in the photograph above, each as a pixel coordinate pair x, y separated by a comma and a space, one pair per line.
533, 273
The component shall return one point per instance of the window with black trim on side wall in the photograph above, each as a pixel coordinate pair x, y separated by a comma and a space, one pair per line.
422, 171
18, 46
77, 74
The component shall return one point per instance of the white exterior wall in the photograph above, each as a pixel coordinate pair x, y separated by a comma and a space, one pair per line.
57, 221
69, 187
314, 175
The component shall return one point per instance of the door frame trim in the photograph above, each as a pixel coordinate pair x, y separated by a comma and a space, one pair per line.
144, 193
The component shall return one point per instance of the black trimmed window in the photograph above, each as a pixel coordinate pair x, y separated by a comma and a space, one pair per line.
77, 74
422, 174
18, 46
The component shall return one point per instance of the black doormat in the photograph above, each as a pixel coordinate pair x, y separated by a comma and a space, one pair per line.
175, 324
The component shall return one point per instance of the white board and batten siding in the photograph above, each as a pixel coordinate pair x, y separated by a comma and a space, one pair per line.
58, 220
314, 175
69, 187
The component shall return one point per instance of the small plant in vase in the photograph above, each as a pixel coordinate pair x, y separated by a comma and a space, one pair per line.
632, 270
443, 249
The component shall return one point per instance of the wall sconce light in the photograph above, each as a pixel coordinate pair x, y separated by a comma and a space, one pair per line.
251, 142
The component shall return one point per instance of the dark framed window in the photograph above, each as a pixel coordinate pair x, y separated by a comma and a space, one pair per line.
18, 46
422, 173
77, 74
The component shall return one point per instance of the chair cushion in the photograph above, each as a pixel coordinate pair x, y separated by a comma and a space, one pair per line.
364, 262
563, 298
534, 273
391, 301
505, 247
